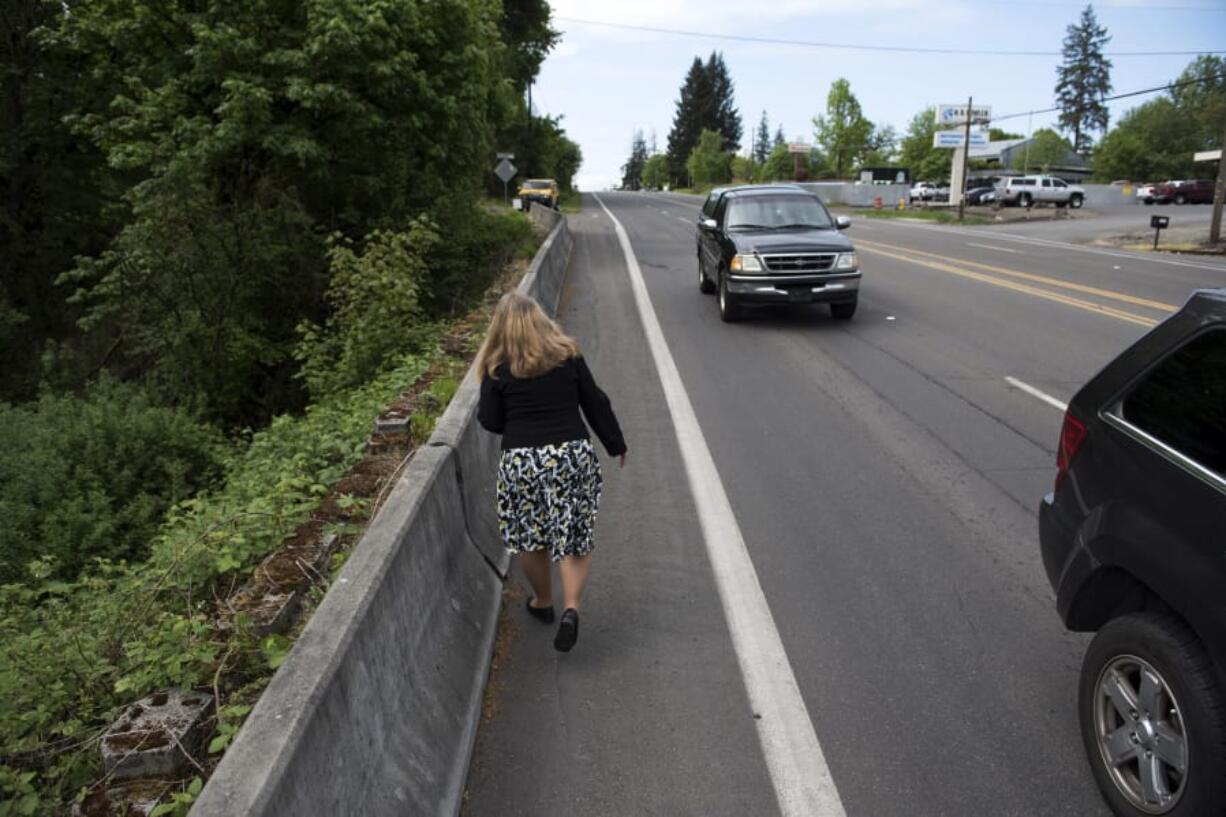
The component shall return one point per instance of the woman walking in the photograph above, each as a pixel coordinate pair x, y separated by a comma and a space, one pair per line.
534, 382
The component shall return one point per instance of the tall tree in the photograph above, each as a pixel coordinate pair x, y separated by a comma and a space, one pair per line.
780, 139
843, 131
727, 119
924, 161
695, 110
1083, 79
762, 142
709, 163
632, 170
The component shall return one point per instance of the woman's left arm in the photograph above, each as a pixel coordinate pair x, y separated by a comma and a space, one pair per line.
490, 411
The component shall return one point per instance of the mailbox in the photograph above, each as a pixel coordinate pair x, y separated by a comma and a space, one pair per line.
1159, 222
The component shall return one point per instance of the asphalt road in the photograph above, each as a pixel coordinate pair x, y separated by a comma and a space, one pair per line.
884, 475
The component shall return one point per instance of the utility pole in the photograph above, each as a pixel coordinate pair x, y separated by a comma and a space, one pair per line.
1219, 194
966, 151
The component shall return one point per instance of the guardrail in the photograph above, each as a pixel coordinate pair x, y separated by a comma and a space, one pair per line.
375, 710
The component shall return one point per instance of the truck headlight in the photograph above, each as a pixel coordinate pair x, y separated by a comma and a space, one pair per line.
746, 263
847, 260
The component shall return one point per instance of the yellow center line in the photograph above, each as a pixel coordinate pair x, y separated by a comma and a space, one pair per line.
1029, 276
1068, 300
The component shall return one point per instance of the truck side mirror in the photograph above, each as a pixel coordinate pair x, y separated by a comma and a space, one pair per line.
842, 222
707, 224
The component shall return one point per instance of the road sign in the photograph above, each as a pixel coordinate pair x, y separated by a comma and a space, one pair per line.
956, 114
505, 155
505, 171
799, 147
1207, 155
954, 138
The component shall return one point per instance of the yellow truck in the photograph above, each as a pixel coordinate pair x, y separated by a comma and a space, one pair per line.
541, 191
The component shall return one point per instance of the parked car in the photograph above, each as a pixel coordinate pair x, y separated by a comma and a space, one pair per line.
928, 191
541, 191
1197, 191
981, 195
775, 244
1145, 192
1133, 539
1025, 191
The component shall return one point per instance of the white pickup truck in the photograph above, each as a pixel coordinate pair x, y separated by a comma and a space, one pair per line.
1025, 191
928, 191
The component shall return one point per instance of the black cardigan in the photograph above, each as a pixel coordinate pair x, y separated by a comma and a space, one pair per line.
544, 410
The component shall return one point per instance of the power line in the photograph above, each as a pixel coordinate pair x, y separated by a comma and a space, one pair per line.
1167, 87
862, 47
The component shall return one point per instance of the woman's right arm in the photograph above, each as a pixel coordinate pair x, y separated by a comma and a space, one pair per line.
490, 411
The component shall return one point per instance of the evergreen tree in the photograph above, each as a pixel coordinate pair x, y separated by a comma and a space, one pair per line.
780, 139
695, 110
1083, 80
762, 144
727, 119
843, 131
632, 170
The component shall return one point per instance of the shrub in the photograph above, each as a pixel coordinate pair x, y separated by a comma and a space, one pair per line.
92, 477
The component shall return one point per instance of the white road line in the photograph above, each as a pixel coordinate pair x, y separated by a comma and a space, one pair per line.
798, 770
1033, 392
991, 247
684, 220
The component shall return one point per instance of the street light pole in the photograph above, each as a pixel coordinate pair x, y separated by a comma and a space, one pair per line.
1219, 194
966, 152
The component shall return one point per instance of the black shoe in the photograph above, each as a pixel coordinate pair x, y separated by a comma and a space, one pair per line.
545, 614
568, 631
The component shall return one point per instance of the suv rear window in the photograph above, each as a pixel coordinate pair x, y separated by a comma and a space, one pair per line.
1181, 402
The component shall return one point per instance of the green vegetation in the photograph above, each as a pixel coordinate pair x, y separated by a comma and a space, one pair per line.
705, 103
570, 201
709, 164
939, 216
843, 132
1046, 150
230, 234
655, 172
1156, 139
1083, 79
925, 161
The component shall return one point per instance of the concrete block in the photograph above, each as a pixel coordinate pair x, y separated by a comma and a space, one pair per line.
150, 737
375, 709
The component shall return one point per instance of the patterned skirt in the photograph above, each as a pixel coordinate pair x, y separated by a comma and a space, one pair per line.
547, 498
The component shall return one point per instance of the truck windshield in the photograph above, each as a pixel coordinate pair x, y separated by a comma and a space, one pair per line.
536, 185
776, 212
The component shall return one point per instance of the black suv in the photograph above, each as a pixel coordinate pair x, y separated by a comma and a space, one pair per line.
1134, 543
775, 245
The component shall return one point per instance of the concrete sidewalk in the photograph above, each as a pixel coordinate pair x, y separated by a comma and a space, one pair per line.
648, 715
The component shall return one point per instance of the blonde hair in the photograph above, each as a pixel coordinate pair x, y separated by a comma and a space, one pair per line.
522, 336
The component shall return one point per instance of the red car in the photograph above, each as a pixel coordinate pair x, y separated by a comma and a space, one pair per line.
1199, 191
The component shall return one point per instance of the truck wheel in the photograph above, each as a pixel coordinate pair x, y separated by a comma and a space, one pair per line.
843, 311
1153, 719
705, 286
1023, 200
729, 309
1076, 200
1181, 199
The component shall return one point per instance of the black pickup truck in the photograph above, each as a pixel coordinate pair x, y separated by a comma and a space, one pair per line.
775, 245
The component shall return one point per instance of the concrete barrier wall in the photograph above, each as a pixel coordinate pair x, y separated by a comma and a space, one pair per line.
857, 195
375, 710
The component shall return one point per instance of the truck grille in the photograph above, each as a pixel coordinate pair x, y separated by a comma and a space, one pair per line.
800, 262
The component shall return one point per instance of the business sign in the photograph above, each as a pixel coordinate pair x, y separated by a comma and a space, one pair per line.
799, 147
956, 114
505, 155
955, 139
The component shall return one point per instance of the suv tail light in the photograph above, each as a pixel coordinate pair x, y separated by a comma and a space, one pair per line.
1072, 435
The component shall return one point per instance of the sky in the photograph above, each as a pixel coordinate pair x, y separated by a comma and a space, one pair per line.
607, 82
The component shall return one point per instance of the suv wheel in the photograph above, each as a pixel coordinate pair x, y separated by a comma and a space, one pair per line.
843, 311
1076, 200
1181, 199
729, 309
704, 283
1153, 719
1023, 200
